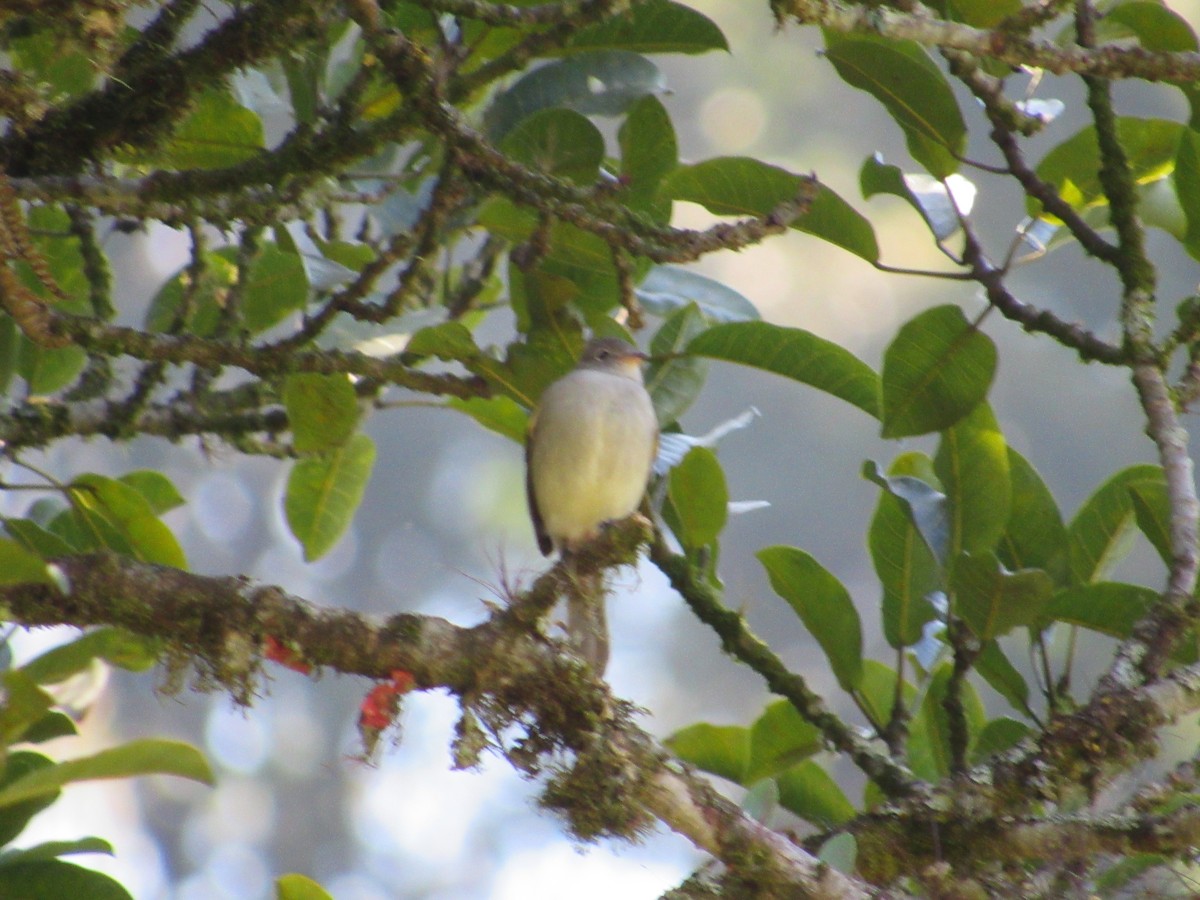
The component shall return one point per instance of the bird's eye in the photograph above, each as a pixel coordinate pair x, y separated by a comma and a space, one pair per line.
603, 354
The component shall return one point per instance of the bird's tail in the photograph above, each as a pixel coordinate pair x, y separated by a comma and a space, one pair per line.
587, 623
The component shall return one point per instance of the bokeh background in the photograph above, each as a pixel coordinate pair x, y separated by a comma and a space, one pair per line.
444, 526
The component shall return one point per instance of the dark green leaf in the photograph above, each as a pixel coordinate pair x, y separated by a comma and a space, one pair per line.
24, 705
779, 738
323, 493
49, 56
877, 691
13, 819
53, 724
36, 539
322, 409
993, 601
937, 369
808, 791
656, 26
55, 849
160, 492
997, 736
204, 301
276, 287
984, 13
929, 742
601, 82
1187, 186
722, 750
9, 344
58, 879
1035, 537
698, 493
1003, 676
147, 756
972, 464
675, 379
1098, 535
648, 152
218, 132
669, 288
902, 76
741, 186
48, 369
1109, 607
824, 606
1125, 871
559, 142
793, 353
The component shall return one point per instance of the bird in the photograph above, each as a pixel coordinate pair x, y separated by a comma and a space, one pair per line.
589, 449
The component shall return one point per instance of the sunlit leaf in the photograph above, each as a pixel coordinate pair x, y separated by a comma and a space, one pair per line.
779, 738
972, 465
322, 410
323, 493
722, 750
699, 495
1099, 533
811, 793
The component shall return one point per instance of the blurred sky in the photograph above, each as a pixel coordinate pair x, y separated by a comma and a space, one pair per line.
444, 523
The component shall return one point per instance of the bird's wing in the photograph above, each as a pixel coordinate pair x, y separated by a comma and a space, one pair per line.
539, 527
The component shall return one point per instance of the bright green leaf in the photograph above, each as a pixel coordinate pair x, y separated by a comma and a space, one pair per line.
324, 491
1003, 677
722, 750
160, 492
1035, 537
779, 738
1098, 535
47, 370
299, 887
113, 645
37, 540
55, 849
1187, 186
808, 791
500, 414
972, 464
147, 756
322, 409
877, 691
993, 601
937, 369
997, 736
216, 133
1108, 607
931, 726
823, 604
120, 518
21, 566
698, 493
1152, 511
796, 354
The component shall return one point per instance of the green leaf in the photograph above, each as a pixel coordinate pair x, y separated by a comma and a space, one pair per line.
925, 505
902, 76
824, 606
117, 516
600, 82
796, 354
218, 132
698, 493
14, 818
322, 409
656, 26
1098, 535
24, 705
324, 491
907, 570
928, 196
1003, 677
1073, 166
558, 142
276, 287
50, 58
55, 878
55, 849
1152, 510
648, 152
451, 341
997, 736
37, 540
122, 648
47, 370
9, 344
1187, 185
53, 724
937, 369
1108, 607
779, 738
840, 853
147, 756
972, 464
1035, 537
500, 414
993, 601
160, 492
984, 13
674, 379
669, 288
931, 726
299, 887
877, 691
206, 299
808, 791
722, 750
742, 186
20, 566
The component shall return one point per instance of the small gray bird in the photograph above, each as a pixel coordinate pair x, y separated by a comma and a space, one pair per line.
588, 453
